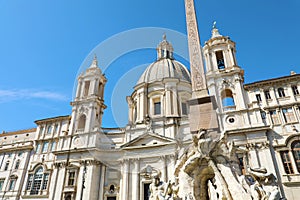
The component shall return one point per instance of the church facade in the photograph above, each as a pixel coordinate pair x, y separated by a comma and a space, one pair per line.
253, 151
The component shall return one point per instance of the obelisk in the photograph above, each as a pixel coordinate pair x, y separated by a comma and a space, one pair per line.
202, 106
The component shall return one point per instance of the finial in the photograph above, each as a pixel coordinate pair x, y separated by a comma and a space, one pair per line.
164, 37
214, 25
95, 62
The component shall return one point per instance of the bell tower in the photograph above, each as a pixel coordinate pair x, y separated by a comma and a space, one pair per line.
224, 77
88, 105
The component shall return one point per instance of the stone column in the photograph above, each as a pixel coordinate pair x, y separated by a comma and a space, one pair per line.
102, 180
168, 102
125, 179
136, 180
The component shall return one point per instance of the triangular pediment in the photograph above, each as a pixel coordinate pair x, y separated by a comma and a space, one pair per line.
148, 140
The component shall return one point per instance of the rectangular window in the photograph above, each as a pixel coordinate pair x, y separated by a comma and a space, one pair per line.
184, 109
220, 60
38, 147
71, 180
274, 117
1, 183
258, 97
55, 128
49, 129
86, 88
281, 92
41, 130
287, 162
157, 108
263, 116
45, 181
267, 94
45, 147
111, 198
12, 184
29, 183
6, 165
288, 115
295, 90
53, 147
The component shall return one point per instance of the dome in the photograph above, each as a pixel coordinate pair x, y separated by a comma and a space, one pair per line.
165, 66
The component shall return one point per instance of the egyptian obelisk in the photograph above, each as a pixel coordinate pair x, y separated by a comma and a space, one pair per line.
202, 106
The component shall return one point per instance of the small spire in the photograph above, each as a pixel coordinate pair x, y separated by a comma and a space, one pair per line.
215, 31
215, 25
165, 49
95, 62
164, 37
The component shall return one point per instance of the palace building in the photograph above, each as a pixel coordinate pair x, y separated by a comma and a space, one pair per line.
245, 144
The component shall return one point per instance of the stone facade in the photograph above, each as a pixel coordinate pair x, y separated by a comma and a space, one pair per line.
249, 147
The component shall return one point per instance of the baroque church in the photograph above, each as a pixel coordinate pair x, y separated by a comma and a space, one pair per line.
193, 134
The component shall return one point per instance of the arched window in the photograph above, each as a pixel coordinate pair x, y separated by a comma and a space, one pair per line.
81, 123
37, 181
227, 99
281, 92
296, 153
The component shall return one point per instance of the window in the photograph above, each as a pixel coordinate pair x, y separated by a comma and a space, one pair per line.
274, 117
41, 130
258, 97
157, 110
53, 147
9, 155
37, 181
55, 128
267, 94
157, 106
295, 89
111, 198
227, 99
286, 162
29, 182
81, 123
17, 164
263, 116
45, 147
86, 88
6, 165
220, 60
38, 147
12, 184
1, 183
45, 182
20, 154
281, 92
184, 109
49, 129
296, 153
288, 115
71, 179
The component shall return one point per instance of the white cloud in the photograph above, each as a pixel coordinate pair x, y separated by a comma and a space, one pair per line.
19, 94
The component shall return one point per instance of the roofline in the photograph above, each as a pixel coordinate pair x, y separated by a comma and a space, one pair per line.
52, 118
267, 81
30, 130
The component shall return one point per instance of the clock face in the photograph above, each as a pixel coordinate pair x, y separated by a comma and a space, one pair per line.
77, 141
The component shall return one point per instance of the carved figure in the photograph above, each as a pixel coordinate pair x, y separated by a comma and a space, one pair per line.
157, 189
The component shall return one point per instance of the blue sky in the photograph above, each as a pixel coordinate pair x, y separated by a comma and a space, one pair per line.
44, 43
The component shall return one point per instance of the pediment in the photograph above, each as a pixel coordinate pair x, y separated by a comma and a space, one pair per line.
148, 140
